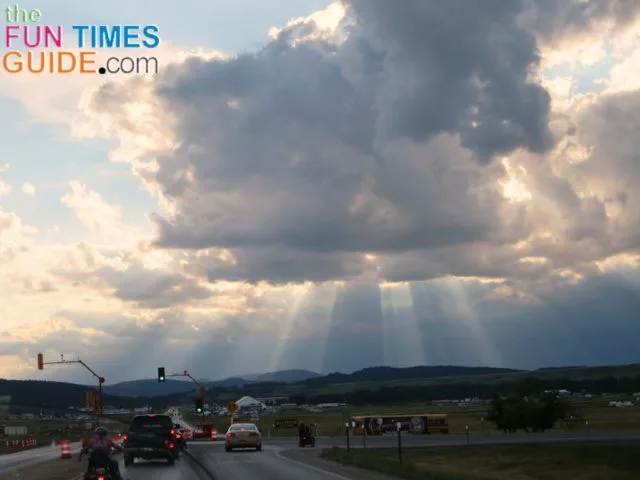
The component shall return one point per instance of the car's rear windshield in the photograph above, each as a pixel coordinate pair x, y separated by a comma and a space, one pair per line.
151, 422
236, 427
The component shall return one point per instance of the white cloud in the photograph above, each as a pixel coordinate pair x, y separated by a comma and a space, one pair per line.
5, 188
29, 189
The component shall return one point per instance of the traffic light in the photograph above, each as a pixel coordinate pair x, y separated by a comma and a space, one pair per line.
40, 361
199, 405
161, 377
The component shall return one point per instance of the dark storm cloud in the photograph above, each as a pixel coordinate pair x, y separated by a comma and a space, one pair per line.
331, 147
300, 159
457, 66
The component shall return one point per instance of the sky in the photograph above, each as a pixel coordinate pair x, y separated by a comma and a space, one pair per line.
327, 186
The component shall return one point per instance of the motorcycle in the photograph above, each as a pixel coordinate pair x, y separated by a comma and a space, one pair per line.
307, 440
100, 469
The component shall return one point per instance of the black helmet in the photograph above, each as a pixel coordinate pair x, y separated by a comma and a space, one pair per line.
101, 432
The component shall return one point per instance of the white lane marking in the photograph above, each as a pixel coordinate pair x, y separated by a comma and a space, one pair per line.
311, 467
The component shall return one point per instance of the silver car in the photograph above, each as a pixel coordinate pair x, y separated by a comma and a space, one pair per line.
243, 435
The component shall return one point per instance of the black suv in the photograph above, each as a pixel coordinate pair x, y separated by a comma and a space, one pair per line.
151, 437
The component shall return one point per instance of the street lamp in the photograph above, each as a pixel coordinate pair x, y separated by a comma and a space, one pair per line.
399, 430
346, 430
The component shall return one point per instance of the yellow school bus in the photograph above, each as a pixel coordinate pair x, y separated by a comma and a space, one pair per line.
418, 423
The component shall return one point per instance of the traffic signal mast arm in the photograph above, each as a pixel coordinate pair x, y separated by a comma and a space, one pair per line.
62, 361
101, 380
188, 375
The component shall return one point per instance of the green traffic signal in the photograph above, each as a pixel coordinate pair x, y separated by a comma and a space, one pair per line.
161, 375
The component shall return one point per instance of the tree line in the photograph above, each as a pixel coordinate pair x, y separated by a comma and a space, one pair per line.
515, 388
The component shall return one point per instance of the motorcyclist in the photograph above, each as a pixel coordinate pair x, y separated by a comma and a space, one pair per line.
182, 442
101, 447
301, 431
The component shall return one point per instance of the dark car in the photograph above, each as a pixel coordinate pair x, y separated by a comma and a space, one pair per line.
151, 437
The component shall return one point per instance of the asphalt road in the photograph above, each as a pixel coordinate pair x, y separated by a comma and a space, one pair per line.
160, 470
269, 464
26, 458
272, 463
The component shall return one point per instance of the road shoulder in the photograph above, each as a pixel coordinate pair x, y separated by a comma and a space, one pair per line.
57, 469
311, 457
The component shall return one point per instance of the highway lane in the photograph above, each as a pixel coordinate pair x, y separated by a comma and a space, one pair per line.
19, 460
273, 463
160, 470
269, 464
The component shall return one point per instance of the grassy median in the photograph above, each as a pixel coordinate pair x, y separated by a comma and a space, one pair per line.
619, 461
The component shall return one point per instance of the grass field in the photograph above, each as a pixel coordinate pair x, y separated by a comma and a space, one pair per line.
505, 462
596, 411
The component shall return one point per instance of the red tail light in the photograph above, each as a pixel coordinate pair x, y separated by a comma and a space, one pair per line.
171, 445
231, 435
101, 478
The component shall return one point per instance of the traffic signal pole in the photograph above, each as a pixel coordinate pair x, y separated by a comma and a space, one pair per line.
201, 389
101, 380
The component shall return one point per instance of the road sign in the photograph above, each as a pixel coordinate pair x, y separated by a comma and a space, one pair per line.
232, 407
91, 399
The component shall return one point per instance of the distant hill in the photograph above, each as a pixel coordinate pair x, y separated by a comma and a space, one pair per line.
380, 374
54, 395
153, 388
359, 386
282, 376
149, 388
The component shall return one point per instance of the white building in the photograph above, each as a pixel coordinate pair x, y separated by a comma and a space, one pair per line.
248, 403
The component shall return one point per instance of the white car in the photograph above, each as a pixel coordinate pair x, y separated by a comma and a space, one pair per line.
243, 435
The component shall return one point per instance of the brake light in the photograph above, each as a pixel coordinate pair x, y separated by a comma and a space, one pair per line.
171, 445
173, 432
101, 477
231, 435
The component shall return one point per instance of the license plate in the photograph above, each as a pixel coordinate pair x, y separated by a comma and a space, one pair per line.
147, 449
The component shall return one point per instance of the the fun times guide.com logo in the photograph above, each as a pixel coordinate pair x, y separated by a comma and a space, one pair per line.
32, 46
